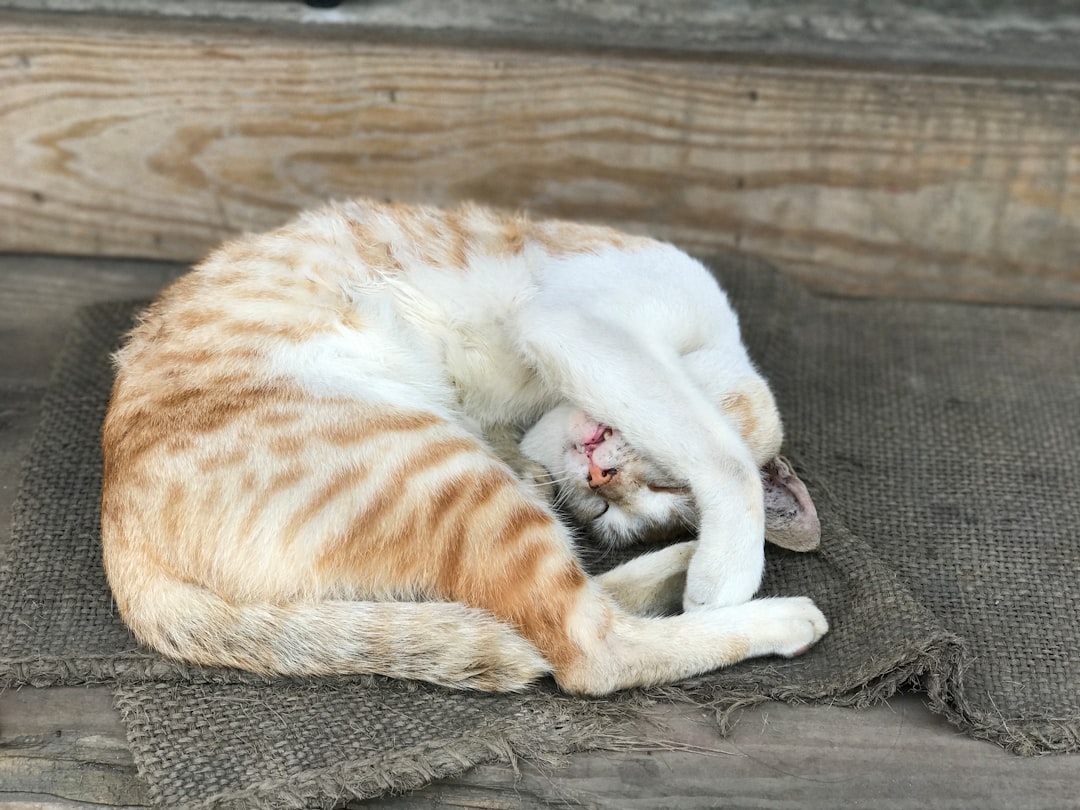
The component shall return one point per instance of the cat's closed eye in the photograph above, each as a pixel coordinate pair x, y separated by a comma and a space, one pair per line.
673, 489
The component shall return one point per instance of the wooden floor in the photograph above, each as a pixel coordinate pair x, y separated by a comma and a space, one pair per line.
65, 748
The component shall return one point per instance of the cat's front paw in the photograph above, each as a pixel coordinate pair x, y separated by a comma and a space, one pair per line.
712, 582
786, 626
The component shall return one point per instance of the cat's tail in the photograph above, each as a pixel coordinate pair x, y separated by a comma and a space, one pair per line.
440, 642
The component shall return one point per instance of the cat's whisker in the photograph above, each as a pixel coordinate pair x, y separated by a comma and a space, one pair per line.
561, 498
559, 482
553, 480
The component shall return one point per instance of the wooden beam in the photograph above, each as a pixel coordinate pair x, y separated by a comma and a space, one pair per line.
149, 140
1037, 35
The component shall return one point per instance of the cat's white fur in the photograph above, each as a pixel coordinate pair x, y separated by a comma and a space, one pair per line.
643, 339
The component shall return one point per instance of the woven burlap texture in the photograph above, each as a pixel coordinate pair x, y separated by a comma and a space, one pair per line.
935, 439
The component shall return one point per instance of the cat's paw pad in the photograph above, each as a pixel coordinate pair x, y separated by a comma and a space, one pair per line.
786, 626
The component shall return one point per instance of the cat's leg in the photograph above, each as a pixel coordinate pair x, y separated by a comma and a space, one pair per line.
671, 646
652, 584
516, 561
619, 650
635, 380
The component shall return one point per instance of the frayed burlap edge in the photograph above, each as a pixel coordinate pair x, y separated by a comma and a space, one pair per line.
1030, 736
114, 670
595, 725
913, 669
935, 670
45, 672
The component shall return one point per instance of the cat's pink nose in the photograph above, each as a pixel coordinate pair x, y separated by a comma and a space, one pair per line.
599, 477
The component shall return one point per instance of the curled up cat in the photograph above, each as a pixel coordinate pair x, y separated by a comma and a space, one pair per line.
311, 462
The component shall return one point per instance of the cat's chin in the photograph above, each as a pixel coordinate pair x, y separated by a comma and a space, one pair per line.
613, 529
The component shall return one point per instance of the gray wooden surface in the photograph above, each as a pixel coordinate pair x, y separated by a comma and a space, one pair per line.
65, 748
1028, 34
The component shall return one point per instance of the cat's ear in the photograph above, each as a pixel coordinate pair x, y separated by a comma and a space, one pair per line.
791, 521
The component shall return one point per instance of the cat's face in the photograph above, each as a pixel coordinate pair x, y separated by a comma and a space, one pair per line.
601, 481
623, 498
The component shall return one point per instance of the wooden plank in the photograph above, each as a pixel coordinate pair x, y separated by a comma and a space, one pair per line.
1036, 35
891, 757
66, 748
162, 141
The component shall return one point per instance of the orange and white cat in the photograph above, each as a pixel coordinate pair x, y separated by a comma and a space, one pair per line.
299, 477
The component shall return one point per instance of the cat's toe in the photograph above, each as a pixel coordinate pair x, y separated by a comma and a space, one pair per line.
810, 623
786, 626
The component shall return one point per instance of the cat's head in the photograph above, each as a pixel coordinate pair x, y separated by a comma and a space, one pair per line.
601, 481
621, 497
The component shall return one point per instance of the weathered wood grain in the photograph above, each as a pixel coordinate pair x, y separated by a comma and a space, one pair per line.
1018, 34
160, 141
65, 748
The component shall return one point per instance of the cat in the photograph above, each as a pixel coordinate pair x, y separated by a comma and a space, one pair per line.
298, 481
